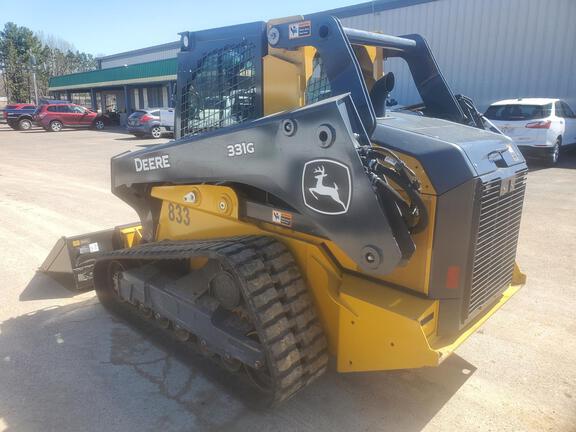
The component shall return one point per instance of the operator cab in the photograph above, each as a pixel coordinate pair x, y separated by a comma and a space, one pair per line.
235, 74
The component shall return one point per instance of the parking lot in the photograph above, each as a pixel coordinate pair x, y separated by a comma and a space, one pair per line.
67, 365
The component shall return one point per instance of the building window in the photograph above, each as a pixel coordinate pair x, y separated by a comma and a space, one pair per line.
154, 97
82, 99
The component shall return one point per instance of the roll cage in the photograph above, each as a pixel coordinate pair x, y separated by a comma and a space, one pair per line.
220, 71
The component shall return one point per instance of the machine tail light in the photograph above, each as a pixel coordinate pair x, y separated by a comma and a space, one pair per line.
542, 124
453, 277
145, 118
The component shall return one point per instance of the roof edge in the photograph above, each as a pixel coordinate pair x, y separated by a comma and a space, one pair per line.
115, 68
145, 50
115, 83
156, 68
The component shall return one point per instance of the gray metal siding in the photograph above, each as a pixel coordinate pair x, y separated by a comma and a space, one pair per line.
130, 59
489, 49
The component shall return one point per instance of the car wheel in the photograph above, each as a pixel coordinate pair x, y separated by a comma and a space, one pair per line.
56, 125
99, 124
24, 124
554, 156
156, 132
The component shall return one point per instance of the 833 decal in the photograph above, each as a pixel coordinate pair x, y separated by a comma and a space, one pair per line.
178, 214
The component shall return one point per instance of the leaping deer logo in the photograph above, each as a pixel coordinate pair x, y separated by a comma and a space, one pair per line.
322, 189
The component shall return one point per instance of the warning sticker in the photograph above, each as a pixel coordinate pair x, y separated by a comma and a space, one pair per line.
89, 248
282, 218
299, 30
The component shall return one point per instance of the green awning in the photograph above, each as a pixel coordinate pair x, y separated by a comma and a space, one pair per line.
160, 70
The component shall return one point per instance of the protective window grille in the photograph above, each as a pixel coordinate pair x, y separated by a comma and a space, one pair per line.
318, 87
221, 91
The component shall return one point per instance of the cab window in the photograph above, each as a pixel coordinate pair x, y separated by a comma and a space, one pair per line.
318, 86
221, 91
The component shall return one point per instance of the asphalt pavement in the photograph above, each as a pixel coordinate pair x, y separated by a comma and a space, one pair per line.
66, 364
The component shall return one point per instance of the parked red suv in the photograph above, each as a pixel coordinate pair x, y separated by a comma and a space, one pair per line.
55, 117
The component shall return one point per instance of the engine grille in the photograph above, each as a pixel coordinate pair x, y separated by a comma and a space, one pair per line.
497, 238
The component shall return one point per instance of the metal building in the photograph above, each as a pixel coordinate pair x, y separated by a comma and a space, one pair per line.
124, 82
487, 49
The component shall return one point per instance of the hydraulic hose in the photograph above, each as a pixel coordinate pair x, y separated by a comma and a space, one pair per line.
382, 165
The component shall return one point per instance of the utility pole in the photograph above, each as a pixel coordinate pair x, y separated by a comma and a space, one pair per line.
33, 64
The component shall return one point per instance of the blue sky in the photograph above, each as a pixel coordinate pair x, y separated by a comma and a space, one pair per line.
108, 27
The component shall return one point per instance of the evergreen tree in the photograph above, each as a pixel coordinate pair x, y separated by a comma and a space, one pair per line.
53, 57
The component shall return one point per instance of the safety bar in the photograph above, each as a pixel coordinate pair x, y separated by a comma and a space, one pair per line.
361, 37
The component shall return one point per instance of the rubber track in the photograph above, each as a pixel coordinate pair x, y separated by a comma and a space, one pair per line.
298, 305
275, 294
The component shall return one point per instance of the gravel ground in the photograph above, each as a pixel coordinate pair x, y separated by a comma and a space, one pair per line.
67, 365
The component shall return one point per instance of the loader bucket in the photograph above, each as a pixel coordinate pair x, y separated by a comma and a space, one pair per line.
71, 260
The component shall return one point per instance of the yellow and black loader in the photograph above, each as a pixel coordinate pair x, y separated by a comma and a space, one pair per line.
294, 217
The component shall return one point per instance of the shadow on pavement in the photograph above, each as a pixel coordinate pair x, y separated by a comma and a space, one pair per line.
149, 141
74, 368
111, 129
78, 367
567, 161
128, 138
43, 131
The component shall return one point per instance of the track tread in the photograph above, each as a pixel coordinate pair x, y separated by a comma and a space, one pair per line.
298, 305
278, 301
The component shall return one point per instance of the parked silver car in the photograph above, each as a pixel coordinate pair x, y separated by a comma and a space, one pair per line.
151, 122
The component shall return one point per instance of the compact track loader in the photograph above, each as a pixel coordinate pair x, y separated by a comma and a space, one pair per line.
293, 217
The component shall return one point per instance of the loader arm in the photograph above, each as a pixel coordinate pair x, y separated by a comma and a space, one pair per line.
280, 163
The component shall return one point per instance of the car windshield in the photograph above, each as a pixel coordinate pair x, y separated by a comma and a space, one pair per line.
517, 112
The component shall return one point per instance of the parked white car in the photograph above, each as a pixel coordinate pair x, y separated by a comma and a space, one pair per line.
540, 127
